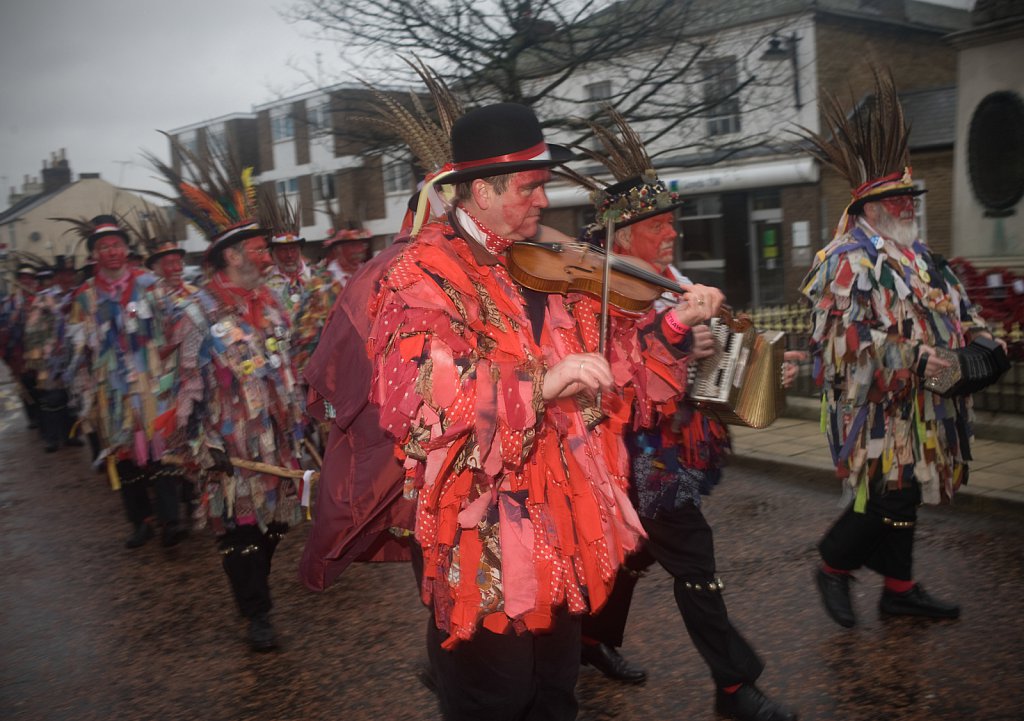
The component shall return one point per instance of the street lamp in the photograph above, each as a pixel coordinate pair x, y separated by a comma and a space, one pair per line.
784, 48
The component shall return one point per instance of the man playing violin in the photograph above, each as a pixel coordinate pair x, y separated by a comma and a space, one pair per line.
490, 390
676, 457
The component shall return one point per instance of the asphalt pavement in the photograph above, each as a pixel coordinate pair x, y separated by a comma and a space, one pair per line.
91, 630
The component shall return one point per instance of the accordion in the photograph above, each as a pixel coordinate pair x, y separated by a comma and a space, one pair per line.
971, 368
741, 382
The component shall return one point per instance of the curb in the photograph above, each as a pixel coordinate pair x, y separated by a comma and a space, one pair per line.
981, 498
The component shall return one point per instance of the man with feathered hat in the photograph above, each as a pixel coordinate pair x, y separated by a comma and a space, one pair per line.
115, 333
675, 458
882, 302
522, 512
289, 277
235, 397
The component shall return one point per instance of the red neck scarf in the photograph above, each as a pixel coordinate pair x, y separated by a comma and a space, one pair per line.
122, 287
493, 242
251, 304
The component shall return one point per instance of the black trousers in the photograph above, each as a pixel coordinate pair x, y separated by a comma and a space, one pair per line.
246, 553
608, 626
508, 677
881, 538
682, 542
54, 416
135, 485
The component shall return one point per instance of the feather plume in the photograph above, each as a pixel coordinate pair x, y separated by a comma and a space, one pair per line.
210, 191
278, 215
428, 138
623, 153
150, 228
868, 143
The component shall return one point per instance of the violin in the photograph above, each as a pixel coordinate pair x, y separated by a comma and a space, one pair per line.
579, 267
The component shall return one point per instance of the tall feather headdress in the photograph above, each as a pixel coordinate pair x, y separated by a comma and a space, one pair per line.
153, 232
215, 195
427, 135
639, 193
867, 145
279, 217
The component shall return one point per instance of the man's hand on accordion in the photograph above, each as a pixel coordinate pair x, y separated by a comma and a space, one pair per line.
929, 364
703, 342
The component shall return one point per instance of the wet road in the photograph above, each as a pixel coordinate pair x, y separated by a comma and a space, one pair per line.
91, 630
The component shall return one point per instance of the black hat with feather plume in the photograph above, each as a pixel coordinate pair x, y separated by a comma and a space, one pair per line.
639, 193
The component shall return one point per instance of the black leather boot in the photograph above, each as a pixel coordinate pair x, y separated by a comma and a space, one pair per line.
747, 703
142, 533
261, 633
608, 661
916, 602
835, 594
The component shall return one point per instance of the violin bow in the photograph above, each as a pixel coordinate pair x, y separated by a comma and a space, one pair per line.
605, 286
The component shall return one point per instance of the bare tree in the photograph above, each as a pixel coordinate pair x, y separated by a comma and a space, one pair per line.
540, 53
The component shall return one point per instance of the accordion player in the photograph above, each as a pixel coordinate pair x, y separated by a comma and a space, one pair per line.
741, 383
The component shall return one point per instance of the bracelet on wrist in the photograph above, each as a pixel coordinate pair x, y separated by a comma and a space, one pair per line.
675, 324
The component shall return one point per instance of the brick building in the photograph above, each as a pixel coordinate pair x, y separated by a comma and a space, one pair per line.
316, 150
754, 219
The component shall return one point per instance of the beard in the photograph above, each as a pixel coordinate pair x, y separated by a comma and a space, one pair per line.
249, 275
903, 232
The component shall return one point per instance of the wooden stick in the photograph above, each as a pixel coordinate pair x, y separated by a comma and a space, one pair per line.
249, 466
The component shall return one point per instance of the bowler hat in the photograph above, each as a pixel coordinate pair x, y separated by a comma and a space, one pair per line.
499, 139
102, 226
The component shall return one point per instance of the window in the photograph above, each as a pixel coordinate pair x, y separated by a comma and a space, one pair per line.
320, 118
397, 177
721, 83
289, 186
598, 92
282, 125
323, 186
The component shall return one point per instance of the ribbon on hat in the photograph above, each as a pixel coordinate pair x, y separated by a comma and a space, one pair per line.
429, 194
865, 191
539, 151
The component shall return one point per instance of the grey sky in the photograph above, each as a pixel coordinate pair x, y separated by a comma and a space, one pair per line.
99, 77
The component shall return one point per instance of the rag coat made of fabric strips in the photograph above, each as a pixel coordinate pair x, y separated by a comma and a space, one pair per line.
873, 301
520, 508
235, 391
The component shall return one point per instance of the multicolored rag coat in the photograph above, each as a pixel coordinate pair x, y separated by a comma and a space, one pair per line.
520, 507
46, 351
310, 316
289, 291
873, 302
115, 332
235, 391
